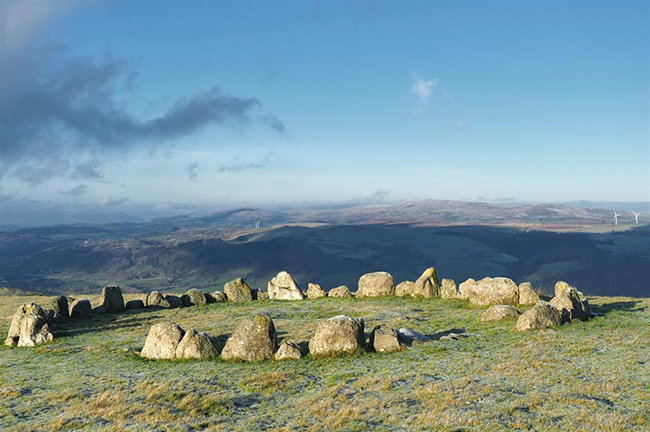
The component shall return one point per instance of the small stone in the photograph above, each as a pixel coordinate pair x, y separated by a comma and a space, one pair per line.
340, 292
218, 297
197, 297
288, 351
135, 304
81, 308
238, 291
384, 340
162, 341
195, 345
541, 316
410, 336
156, 299
500, 312
527, 296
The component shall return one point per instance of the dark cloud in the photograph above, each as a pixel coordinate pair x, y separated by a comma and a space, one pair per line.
191, 172
37, 174
75, 191
90, 169
237, 165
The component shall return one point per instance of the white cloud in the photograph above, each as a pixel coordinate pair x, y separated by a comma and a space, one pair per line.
423, 88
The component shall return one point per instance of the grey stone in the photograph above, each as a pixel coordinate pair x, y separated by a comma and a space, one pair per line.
195, 345
314, 291
288, 351
340, 292
377, 284
28, 327
81, 308
197, 297
542, 315
499, 313
254, 339
162, 341
238, 291
283, 287
384, 340
336, 336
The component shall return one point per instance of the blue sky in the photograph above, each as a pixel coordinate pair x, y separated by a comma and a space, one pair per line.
334, 101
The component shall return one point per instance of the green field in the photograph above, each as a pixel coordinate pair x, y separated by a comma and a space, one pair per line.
591, 376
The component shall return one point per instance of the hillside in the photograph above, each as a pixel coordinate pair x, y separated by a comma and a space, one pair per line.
587, 376
66, 260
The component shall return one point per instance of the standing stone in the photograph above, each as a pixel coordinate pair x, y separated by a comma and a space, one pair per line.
195, 345
489, 291
377, 284
340, 292
283, 287
465, 287
426, 286
288, 351
135, 304
542, 315
197, 297
570, 302
261, 295
337, 335
156, 299
448, 289
186, 300
500, 312
162, 341
28, 327
384, 340
219, 297
111, 299
174, 301
314, 291
81, 308
527, 296
60, 307
254, 339
238, 291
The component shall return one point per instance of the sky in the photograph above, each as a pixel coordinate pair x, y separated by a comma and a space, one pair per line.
221, 103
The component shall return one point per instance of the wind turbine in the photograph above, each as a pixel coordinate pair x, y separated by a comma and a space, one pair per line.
616, 218
636, 217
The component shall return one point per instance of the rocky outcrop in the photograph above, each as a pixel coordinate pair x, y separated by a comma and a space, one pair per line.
254, 339
81, 308
448, 289
336, 336
570, 302
218, 297
340, 292
156, 299
135, 304
499, 313
490, 291
527, 296
377, 284
314, 291
288, 351
542, 315
238, 291
426, 286
111, 300
384, 340
162, 341
283, 287
195, 345
28, 327
197, 297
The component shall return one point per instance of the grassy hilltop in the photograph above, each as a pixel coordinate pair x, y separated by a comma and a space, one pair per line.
587, 376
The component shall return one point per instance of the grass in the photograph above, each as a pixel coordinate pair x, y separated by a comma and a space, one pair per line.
591, 376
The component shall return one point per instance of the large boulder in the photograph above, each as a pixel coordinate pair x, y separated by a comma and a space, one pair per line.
570, 302
527, 296
340, 292
28, 327
254, 339
337, 335
162, 341
377, 284
283, 287
542, 315
448, 289
111, 299
218, 297
238, 290
195, 345
499, 313
81, 308
288, 351
197, 297
314, 291
384, 340
489, 291
156, 299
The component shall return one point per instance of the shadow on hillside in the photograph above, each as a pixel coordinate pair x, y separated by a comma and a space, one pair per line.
455, 331
626, 306
98, 324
